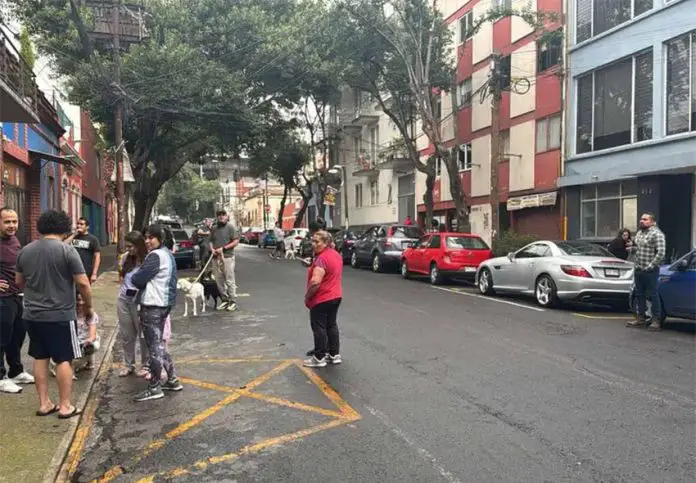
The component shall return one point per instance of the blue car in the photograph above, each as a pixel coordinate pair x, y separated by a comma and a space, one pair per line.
676, 287
267, 239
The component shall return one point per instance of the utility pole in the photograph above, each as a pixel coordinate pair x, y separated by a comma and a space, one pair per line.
118, 129
495, 83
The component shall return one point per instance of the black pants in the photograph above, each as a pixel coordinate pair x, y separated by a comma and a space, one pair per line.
12, 335
323, 321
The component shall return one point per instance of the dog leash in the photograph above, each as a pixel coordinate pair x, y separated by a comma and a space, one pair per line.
204, 269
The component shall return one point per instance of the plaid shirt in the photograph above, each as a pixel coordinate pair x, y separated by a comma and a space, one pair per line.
650, 248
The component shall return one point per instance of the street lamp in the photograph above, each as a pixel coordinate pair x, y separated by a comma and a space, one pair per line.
335, 169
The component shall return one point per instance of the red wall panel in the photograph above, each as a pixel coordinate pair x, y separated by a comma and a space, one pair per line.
548, 94
546, 170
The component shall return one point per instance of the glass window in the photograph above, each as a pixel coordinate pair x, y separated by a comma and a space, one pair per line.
402, 231
464, 158
505, 72
548, 134
680, 98
374, 193
358, 196
580, 249
466, 242
550, 53
435, 242
464, 93
534, 251
608, 207
609, 112
466, 23
423, 242
597, 16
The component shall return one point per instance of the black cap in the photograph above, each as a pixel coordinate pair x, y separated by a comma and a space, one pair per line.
221, 212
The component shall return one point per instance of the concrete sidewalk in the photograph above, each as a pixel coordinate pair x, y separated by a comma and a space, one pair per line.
32, 447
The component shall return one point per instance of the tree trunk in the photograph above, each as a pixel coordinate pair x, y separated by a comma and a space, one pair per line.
428, 199
143, 209
461, 205
283, 200
300, 214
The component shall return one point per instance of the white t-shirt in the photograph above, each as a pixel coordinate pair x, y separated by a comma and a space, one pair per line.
279, 234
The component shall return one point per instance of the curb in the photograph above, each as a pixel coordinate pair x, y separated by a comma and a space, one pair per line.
59, 465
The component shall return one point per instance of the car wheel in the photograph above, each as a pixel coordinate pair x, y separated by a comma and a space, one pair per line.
376, 263
404, 269
485, 282
435, 276
354, 261
545, 291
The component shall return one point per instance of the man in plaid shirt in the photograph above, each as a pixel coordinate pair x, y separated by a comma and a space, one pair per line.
649, 247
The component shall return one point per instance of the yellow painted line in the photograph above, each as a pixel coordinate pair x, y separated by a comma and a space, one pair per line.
78, 443
265, 377
603, 317
202, 465
292, 404
329, 392
228, 361
208, 385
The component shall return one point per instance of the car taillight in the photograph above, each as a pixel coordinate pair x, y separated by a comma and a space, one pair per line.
575, 271
299, 237
349, 242
186, 244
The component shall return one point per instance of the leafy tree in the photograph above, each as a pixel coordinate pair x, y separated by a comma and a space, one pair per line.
208, 77
188, 196
26, 50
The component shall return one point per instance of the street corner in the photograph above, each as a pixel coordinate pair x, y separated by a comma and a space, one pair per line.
230, 411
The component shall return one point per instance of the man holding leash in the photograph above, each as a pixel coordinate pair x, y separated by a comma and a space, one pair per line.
223, 240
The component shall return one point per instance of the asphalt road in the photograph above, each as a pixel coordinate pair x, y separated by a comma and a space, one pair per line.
436, 385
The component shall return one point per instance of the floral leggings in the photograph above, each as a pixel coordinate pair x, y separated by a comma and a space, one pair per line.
153, 321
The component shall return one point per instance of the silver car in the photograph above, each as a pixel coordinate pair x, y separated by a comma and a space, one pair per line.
559, 271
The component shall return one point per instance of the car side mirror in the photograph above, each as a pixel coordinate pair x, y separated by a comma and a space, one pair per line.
511, 256
683, 265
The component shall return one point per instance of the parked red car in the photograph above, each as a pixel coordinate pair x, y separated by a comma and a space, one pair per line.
445, 256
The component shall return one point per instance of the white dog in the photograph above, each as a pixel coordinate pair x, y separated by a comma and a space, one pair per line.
289, 251
193, 291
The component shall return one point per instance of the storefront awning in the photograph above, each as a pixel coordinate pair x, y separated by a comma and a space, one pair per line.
65, 160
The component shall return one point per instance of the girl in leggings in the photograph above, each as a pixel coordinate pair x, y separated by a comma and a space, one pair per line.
156, 281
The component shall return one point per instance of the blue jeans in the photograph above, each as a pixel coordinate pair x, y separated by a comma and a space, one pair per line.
646, 287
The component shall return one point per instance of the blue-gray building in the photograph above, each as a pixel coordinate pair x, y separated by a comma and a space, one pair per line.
631, 118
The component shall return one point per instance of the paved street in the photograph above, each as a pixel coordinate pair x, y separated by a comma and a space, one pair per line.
437, 384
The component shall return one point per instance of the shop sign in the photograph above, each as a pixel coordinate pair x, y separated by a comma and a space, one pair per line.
532, 201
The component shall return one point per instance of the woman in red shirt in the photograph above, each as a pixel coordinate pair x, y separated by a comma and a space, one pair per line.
323, 297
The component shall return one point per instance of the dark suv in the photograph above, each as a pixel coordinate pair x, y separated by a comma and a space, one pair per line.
381, 246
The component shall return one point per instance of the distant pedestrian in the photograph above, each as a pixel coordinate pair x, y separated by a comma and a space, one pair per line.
203, 239
129, 327
620, 246
323, 298
434, 226
88, 247
223, 240
49, 270
156, 280
280, 241
408, 221
12, 328
649, 247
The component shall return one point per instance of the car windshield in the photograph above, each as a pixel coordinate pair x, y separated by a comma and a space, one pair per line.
406, 232
179, 235
583, 249
466, 242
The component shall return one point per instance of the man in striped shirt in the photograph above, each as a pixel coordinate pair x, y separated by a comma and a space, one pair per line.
649, 247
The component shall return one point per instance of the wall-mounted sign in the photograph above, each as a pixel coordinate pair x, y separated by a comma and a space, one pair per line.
532, 201
131, 21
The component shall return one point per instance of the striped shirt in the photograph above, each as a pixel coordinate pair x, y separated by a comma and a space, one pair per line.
650, 248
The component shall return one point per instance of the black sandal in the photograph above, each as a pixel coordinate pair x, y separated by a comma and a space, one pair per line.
54, 410
75, 412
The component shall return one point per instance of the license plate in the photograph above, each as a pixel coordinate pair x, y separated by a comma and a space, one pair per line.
469, 269
611, 272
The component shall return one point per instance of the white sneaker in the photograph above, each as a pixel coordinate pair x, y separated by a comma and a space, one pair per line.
23, 378
314, 362
222, 306
334, 359
6, 385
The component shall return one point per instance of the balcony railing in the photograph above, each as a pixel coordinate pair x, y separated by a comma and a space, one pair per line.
17, 76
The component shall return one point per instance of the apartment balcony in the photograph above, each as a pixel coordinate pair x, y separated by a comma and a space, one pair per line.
366, 168
365, 116
395, 158
18, 91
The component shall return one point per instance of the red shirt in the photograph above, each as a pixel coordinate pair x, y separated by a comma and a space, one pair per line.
331, 286
9, 249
